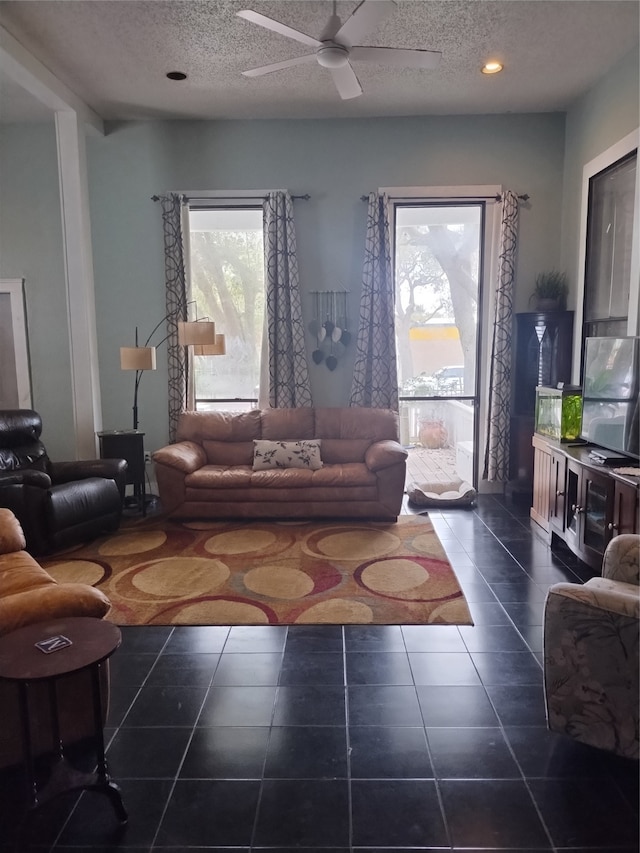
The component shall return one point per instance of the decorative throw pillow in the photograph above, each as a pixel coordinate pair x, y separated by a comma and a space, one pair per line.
286, 454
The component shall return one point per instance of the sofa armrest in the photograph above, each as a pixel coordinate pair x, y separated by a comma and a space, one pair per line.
383, 454
622, 559
185, 456
51, 602
11, 533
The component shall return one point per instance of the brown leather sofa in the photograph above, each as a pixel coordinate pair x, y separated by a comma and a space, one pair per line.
58, 503
209, 471
28, 594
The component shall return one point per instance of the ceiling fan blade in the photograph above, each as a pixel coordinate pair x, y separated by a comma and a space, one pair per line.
398, 56
346, 82
364, 20
276, 66
277, 27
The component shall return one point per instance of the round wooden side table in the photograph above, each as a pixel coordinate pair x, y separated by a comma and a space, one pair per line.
45, 652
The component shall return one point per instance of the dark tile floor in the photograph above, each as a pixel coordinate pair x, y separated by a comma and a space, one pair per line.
354, 738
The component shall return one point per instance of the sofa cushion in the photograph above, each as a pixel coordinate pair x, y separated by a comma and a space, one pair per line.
286, 454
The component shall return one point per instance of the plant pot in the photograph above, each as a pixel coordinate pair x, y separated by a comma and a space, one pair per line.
547, 304
433, 435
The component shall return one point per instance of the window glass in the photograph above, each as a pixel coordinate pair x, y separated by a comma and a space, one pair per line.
227, 284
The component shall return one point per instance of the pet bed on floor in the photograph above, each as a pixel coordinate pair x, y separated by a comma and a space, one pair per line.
454, 493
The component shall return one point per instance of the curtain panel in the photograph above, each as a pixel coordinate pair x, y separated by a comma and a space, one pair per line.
375, 374
173, 212
496, 459
288, 374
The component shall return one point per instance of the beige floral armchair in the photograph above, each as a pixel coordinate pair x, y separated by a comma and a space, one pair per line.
591, 661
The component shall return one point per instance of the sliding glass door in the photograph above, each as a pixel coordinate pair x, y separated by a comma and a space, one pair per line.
438, 259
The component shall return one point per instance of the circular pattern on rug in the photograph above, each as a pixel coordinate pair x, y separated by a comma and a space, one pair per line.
216, 611
242, 541
278, 582
79, 571
429, 544
132, 543
337, 611
350, 543
169, 578
408, 578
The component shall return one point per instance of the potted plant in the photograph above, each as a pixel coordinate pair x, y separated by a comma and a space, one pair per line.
550, 292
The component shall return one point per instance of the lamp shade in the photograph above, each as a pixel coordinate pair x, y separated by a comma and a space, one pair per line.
137, 358
218, 348
197, 332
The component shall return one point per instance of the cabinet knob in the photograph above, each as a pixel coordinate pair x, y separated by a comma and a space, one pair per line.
612, 526
577, 509
559, 493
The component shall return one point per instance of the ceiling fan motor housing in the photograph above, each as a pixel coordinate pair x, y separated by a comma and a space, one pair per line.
332, 55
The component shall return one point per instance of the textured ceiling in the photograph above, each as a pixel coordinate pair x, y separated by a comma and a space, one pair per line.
115, 54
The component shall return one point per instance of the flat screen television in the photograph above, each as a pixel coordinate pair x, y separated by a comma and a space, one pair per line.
610, 411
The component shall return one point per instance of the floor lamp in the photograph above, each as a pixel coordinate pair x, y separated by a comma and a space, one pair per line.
198, 334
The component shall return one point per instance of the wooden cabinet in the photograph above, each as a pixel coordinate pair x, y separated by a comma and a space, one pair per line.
625, 508
580, 502
541, 482
588, 511
557, 492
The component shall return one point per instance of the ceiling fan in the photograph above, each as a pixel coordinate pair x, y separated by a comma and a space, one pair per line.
337, 46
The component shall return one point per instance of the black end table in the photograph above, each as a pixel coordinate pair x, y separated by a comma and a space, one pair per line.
127, 444
79, 643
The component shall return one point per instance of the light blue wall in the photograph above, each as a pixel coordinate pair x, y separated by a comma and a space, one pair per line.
606, 114
31, 248
334, 161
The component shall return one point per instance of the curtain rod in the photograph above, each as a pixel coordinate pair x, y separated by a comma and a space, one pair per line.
306, 197
448, 199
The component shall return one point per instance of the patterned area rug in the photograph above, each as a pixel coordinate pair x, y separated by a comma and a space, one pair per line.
160, 572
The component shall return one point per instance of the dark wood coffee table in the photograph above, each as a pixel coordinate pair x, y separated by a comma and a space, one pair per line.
92, 641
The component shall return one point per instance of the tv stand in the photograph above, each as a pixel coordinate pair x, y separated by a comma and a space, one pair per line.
580, 500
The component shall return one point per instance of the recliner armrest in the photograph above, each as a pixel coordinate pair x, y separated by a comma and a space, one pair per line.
185, 456
622, 559
11, 533
66, 472
602, 594
383, 454
25, 477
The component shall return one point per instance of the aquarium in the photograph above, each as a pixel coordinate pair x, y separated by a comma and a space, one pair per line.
559, 412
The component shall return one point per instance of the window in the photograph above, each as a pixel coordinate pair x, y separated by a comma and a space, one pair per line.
227, 284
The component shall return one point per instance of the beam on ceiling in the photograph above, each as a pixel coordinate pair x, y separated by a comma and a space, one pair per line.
30, 74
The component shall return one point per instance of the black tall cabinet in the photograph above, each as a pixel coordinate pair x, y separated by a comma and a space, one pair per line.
543, 348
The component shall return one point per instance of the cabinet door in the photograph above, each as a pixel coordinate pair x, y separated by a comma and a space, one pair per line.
541, 483
558, 491
596, 500
625, 509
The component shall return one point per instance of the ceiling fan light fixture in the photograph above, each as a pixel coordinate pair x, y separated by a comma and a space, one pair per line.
492, 67
332, 55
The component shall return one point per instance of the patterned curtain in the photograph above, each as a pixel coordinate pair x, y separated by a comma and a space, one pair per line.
496, 457
289, 385
176, 305
375, 375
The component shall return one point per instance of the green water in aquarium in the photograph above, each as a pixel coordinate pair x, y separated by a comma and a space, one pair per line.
571, 417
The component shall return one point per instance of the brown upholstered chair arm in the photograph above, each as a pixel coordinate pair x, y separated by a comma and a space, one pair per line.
11, 533
622, 559
185, 456
51, 602
383, 454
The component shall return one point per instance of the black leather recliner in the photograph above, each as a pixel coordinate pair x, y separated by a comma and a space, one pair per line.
58, 504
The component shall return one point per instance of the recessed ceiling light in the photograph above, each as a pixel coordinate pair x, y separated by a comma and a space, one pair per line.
492, 67
176, 75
